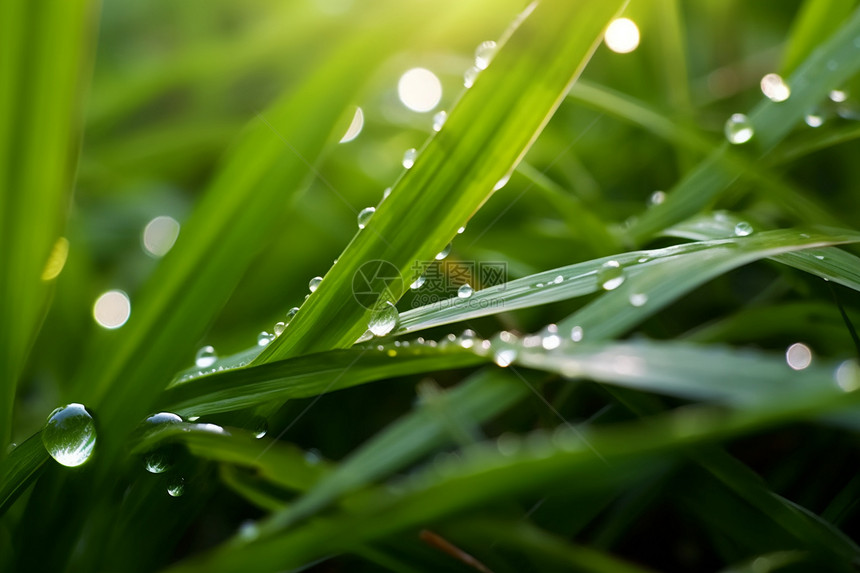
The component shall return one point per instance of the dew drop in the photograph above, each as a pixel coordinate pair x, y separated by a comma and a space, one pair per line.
439, 120
443, 253
409, 157
576, 334
814, 119
264, 338
465, 291
261, 426
157, 462
461, 230
279, 328
638, 299
502, 182
505, 357
738, 129
291, 313
470, 76
657, 198
467, 339
364, 216
314, 283
70, 435
205, 357
383, 319
838, 96
484, 54
743, 229
416, 284
611, 275
775, 88
176, 486
386, 192
164, 418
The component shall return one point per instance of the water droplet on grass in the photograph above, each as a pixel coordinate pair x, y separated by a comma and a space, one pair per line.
314, 283
416, 284
638, 299
576, 334
439, 120
484, 54
156, 462
264, 338
164, 418
383, 319
470, 76
467, 339
814, 119
550, 340
775, 88
611, 275
291, 313
502, 182
444, 252
656, 198
70, 435
364, 216
738, 129
838, 96
205, 357
176, 486
409, 157
261, 426
465, 291
743, 229
279, 328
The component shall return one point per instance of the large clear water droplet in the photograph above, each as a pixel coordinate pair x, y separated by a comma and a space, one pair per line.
465, 291
176, 486
738, 129
484, 54
314, 283
743, 229
70, 435
439, 120
279, 328
444, 252
611, 275
364, 216
206, 356
383, 319
409, 157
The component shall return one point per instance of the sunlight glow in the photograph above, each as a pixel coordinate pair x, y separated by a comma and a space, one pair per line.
112, 309
622, 36
419, 89
159, 235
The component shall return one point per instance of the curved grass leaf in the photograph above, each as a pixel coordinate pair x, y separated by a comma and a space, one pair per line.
20, 469
455, 172
829, 66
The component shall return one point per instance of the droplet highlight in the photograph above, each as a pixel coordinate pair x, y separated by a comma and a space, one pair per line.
743, 229
774, 88
383, 319
484, 54
439, 120
206, 356
409, 157
364, 216
441, 255
176, 486
465, 291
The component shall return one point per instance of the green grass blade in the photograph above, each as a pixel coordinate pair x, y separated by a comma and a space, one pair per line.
44, 65
817, 19
407, 440
828, 67
457, 170
21, 468
238, 211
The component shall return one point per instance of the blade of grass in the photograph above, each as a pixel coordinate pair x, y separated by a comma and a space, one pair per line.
457, 170
828, 67
817, 19
43, 67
